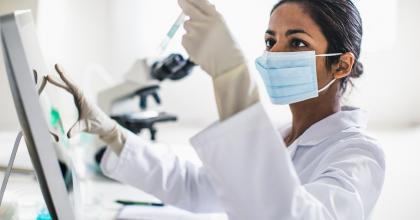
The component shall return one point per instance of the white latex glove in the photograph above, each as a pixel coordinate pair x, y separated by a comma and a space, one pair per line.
208, 40
91, 119
210, 45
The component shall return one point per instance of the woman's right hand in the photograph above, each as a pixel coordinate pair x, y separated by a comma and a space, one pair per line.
208, 40
91, 119
210, 45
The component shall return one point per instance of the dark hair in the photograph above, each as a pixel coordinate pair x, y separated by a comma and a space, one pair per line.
341, 24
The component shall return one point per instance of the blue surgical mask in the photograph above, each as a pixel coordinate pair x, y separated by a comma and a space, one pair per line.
290, 77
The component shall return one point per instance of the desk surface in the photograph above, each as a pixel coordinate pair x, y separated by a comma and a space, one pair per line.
99, 195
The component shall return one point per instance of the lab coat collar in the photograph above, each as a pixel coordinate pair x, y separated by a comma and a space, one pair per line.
348, 117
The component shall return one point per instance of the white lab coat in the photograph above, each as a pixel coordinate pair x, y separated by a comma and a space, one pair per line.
332, 171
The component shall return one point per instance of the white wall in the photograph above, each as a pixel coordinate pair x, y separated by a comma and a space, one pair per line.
400, 197
74, 33
390, 87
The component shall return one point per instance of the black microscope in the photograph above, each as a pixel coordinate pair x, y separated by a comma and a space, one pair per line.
143, 82
174, 67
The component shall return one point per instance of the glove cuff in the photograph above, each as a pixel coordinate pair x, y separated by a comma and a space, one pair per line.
235, 91
115, 139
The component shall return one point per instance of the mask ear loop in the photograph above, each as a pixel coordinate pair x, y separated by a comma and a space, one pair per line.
329, 55
332, 81
327, 86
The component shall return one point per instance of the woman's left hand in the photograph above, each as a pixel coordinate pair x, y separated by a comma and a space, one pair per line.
91, 118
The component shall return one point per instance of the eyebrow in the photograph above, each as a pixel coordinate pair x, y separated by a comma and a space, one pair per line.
288, 32
295, 31
270, 32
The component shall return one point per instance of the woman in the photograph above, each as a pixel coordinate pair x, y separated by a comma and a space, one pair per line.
322, 166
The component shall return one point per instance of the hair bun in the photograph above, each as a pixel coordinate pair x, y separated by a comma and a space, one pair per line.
357, 70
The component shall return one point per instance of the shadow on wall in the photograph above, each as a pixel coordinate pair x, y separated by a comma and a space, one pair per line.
8, 118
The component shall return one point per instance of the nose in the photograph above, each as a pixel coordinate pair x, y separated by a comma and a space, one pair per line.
280, 46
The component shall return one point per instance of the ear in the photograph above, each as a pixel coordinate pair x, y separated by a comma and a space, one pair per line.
344, 66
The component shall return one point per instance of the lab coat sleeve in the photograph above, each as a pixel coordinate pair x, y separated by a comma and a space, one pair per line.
162, 174
255, 179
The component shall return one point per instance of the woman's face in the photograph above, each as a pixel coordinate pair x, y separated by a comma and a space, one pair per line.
291, 29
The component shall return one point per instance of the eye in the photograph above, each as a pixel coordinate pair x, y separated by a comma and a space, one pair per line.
269, 43
296, 43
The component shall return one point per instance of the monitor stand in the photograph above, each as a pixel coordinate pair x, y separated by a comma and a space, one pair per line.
10, 166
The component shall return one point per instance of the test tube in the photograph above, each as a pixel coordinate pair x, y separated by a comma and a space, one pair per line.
171, 33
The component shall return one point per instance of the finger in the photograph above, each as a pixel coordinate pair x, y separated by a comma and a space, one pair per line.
35, 76
43, 84
58, 84
55, 136
78, 127
64, 77
75, 93
191, 25
188, 26
193, 34
204, 6
192, 28
187, 43
190, 10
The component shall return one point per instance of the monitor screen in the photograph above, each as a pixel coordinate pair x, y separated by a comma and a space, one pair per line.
38, 119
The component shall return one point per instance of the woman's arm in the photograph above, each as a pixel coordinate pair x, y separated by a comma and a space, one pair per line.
134, 161
210, 45
256, 179
162, 174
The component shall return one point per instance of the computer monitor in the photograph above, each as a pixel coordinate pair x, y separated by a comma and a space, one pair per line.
22, 55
